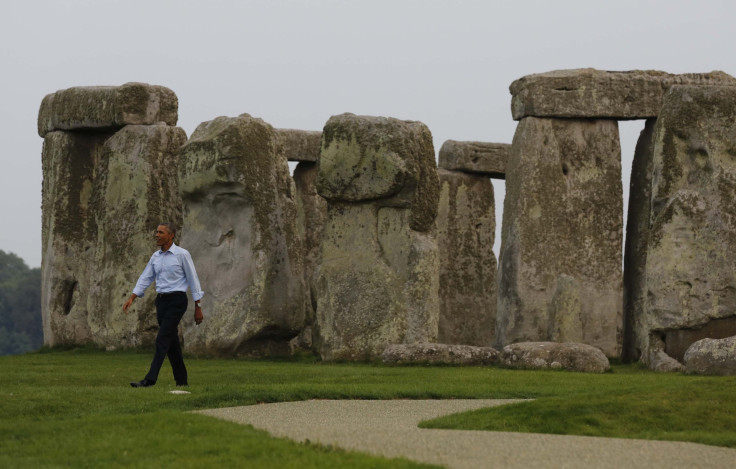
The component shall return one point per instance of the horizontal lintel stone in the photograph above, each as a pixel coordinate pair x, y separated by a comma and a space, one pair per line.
300, 145
107, 107
484, 158
588, 93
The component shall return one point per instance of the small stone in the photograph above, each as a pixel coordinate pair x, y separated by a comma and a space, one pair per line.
299, 145
712, 357
488, 159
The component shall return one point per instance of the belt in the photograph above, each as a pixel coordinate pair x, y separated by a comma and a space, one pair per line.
170, 294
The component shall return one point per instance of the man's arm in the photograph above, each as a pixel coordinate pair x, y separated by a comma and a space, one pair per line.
194, 286
144, 281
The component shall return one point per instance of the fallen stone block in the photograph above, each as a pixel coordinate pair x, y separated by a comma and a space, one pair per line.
598, 94
712, 357
488, 159
439, 354
554, 356
107, 107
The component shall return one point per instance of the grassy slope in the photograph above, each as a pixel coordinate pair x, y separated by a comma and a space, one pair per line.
75, 409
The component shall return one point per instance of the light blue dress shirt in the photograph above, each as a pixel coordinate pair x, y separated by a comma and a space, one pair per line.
173, 270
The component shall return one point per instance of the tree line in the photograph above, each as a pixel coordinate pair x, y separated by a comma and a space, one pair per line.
20, 306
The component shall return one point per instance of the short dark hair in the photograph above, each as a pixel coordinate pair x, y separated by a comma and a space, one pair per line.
169, 226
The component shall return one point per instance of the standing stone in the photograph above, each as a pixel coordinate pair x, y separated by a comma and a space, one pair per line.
378, 273
106, 185
240, 227
304, 147
70, 163
137, 188
598, 94
637, 235
560, 260
466, 227
690, 263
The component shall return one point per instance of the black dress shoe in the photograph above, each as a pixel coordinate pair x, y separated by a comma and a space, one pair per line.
142, 384
181, 385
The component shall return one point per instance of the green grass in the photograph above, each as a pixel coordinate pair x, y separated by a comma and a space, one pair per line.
74, 408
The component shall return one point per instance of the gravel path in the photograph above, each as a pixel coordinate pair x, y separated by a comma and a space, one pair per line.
389, 428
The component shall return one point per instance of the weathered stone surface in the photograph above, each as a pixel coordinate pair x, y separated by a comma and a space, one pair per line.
240, 227
560, 260
712, 357
439, 354
555, 356
107, 107
598, 94
69, 232
378, 273
137, 188
659, 361
100, 208
299, 145
637, 235
377, 282
311, 211
466, 227
365, 158
689, 278
475, 157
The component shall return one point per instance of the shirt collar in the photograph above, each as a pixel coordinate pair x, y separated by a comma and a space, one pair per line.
172, 249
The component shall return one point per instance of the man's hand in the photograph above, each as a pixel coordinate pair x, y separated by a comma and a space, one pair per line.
198, 316
129, 302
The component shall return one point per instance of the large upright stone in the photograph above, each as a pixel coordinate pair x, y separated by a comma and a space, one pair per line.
136, 189
240, 227
107, 107
475, 157
597, 94
70, 161
466, 228
690, 262
560, 260
103, 196
378, 273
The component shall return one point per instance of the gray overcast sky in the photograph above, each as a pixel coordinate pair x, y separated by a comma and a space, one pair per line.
294, 64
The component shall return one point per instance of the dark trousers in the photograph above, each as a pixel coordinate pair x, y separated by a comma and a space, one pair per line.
169, 311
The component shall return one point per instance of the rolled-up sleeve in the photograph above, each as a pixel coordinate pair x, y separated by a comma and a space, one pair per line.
145, 280
192, 279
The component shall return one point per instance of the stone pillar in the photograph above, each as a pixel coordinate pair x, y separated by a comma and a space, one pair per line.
378, 272
240, 225
637, 235
690, 263
109, 174
311, 209
466, 228
560, 260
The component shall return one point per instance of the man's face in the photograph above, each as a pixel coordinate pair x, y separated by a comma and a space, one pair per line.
163, 236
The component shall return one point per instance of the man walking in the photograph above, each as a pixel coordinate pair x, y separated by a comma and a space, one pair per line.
173, 270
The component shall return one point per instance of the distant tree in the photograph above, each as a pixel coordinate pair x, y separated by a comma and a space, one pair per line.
20, 306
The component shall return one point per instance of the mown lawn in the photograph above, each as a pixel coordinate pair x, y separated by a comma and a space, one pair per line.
75, 408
